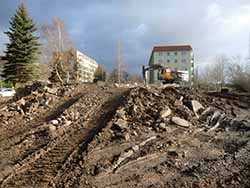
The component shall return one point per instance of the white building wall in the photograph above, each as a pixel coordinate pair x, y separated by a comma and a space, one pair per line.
86, 67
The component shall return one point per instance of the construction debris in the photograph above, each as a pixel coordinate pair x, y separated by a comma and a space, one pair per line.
180, 122
89, 136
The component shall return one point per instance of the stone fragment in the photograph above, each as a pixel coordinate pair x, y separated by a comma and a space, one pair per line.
181, 122
121, 123
197, 107
52, 128
67, 123
127, 137
165, 112
163, 126
178, 103
121, 113
55, 122
135, 148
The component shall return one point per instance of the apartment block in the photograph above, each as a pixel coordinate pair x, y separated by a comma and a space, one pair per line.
86, 67
175, 57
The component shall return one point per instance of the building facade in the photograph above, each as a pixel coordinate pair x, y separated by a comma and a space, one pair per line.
175, 57
86, 67
79, 66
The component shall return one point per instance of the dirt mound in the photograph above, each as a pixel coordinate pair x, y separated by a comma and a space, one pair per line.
137, 137
171, 137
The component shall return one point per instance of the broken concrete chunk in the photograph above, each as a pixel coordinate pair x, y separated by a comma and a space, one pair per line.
52, 128
215, 117
127, 137
55, 122
121, 123
121, 113
67, 123
135, 148
197, 107
165, 112
178, 103
163, 126
146, 141
181, 122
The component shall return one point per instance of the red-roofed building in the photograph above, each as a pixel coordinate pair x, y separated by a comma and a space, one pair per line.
176, 57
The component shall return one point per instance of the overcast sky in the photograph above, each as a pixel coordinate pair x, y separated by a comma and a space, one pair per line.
212, 27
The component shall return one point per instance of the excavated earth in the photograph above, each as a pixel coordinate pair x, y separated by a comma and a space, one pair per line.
90, 136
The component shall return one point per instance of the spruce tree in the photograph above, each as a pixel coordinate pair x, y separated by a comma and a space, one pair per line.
22, 49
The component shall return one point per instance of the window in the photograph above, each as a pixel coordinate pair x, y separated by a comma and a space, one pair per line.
168, 53
160, 53
184, 61
183, 53
160, 61
168, 61
176, 61
176, 53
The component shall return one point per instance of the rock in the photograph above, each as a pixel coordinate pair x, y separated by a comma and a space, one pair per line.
163, 126
215, 118
165, 112
178, 103
135, 148
127, 137
55, 122
146, 141
21, 102
135, 133
51, 90
121, 113
181, 122
61, 131
67, 123
121, 123
52, 128
197, 107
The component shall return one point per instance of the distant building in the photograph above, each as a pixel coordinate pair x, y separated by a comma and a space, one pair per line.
175, 57
84, 67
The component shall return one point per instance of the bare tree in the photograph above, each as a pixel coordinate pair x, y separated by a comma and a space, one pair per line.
135, 78
238, 74
218, 73
120, 65
56, 42
214, 75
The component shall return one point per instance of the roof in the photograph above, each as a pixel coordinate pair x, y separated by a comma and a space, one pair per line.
172, 48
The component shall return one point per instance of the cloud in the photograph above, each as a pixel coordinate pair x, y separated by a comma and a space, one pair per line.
3, 41
212, 27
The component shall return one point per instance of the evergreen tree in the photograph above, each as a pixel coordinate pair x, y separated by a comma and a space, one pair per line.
22, 50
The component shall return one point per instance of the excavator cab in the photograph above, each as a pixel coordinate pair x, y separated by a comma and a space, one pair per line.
165, 74
168, 75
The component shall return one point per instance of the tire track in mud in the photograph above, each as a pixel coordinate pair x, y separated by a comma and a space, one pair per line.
14, 142
47, 166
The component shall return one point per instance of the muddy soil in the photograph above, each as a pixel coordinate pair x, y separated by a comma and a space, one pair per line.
129, 137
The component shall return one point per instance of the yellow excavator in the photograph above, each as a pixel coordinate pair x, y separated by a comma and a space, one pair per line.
165, 74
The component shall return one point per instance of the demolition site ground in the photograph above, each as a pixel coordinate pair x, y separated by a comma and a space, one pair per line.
104, 136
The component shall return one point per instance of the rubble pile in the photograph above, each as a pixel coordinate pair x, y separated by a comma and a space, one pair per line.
33, 99
132, 137
165, 135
